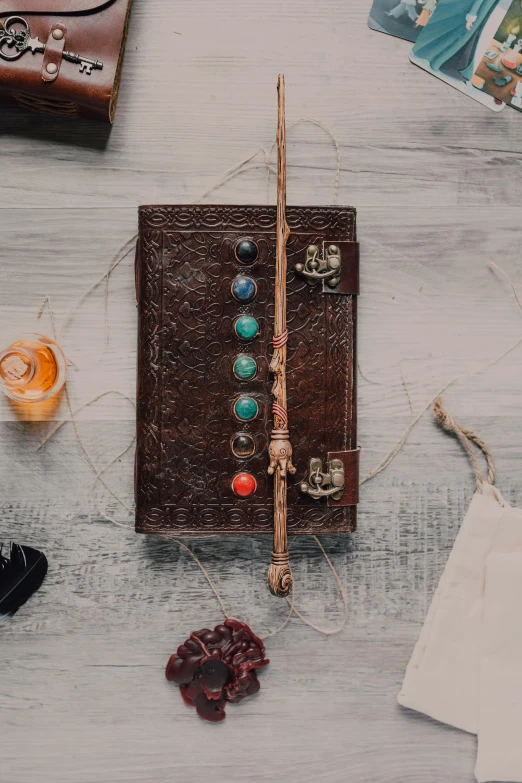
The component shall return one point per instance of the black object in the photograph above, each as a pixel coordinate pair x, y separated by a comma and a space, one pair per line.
243, 446
21, 574
247, 251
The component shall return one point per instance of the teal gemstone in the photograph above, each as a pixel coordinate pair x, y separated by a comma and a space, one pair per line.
245, 368
246, 409
246, 327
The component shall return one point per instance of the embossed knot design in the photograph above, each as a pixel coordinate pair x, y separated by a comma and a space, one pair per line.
205, 504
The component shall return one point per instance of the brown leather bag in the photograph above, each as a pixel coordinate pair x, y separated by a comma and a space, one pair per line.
63, 57
192, 440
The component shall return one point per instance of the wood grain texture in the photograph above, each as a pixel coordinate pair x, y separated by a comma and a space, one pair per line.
280, 578
435, 179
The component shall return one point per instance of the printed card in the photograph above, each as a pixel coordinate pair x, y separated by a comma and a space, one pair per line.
455, 41
500, 71
401, 18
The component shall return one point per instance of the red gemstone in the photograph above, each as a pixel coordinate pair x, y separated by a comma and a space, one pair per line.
244, 485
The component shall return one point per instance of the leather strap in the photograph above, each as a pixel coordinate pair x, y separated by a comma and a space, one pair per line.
350, 460
9, 7
54, 47
136, 263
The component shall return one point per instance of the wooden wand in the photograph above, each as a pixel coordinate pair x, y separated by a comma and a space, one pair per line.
280, 448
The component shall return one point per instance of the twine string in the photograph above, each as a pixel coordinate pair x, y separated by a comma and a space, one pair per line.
466, 438
333, 137
203, 571
122, 253
405, 435
47, 302
325, 631
483, 368
128, 247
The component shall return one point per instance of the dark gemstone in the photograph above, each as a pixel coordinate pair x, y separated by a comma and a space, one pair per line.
246, 251
244, 289
243, 446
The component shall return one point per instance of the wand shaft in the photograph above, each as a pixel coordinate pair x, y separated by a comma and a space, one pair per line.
280, 449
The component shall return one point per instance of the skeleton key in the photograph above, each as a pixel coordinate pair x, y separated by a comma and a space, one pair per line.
15, 35
86, 65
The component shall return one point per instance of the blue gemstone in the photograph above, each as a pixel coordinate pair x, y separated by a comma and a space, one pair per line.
244, 289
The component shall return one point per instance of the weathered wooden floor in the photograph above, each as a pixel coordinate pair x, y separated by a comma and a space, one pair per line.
436, 180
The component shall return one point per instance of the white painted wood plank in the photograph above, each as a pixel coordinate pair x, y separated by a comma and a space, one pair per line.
326, 712
435, 179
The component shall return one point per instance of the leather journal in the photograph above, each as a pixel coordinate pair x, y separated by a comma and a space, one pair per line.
63, 57
205, 287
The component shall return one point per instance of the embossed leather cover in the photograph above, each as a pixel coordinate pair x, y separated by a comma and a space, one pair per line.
96, 29
186, 387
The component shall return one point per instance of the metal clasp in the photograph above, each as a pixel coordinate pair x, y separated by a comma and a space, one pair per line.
324, 485
317, 269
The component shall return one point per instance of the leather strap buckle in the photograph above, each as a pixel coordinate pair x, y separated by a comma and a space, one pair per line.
350, 460
336, 267
53, 53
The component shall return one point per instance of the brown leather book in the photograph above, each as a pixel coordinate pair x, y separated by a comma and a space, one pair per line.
63, 57
205, 289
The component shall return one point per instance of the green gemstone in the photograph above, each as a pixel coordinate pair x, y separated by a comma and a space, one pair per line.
246, 327
246, 409
245, 368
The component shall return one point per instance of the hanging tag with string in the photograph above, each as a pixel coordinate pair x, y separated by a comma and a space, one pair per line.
465, 668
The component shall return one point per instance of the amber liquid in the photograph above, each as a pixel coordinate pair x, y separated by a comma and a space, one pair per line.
29, 370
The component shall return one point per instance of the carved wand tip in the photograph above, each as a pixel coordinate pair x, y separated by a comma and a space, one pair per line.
280, 578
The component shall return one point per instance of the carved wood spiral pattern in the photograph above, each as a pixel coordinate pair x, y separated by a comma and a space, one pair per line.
280, 578
186, 388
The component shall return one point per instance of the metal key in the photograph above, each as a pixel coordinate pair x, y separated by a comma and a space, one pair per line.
16, 35
86, 65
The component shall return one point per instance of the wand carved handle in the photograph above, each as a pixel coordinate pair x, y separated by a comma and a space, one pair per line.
280, 449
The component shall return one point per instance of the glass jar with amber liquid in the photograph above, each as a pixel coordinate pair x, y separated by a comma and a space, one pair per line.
32, 369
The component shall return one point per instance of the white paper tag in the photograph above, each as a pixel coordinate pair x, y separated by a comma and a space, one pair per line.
465, 668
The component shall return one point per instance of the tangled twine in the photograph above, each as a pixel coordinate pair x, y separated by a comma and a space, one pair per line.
126, 249
466, 438
447, 421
